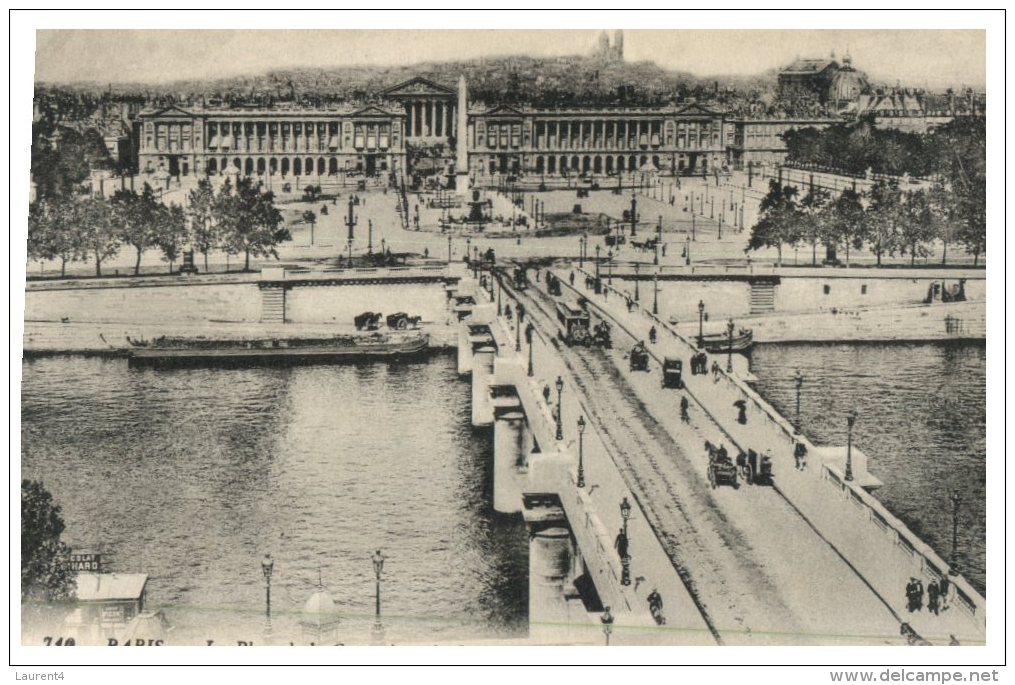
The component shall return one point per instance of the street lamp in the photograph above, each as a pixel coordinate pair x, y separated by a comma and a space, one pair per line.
449, 249
581, 450
850, 420
625, 561
609, 267
267, 566
599, 281
607, 620
799, 380
729, 351
655, 292
581, 252
701, 314
529, 330
636, 291
560, 413
378, 561
954, 560
634, 213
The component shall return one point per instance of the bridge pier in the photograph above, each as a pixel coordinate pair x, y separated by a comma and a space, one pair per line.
508, 456
482, 370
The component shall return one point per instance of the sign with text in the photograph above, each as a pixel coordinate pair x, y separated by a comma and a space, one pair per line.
86, 562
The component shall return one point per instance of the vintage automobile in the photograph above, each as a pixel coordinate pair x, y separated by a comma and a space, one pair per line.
673, 370
721, 469
401, 321
368, 321
639, 358
756, 468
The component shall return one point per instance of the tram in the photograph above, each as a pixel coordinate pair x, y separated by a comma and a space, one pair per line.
574, 325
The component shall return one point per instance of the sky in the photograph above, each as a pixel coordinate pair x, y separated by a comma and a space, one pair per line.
918, 58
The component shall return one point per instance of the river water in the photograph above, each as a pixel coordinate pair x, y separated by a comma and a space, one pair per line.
192, 475
921, 420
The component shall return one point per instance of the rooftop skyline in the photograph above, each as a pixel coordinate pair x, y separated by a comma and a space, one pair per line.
915, 58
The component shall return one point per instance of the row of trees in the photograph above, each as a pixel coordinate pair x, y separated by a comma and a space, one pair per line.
238, 220
886, 219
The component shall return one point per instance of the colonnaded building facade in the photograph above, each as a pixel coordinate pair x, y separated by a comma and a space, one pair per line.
389, 135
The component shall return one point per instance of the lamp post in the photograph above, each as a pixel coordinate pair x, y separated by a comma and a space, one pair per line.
370, 237
529, 331
267, 567
607, 620
729, 350
687, 250
625, 561
799, 380
850, 420
560, 412
378, 561
581, 252
581, 453
449, 249
599, 281
637, 292
634, 213
655, 292
954, 559
520, 308
350, 222
609, 267
497, 284
468, 253
701, 315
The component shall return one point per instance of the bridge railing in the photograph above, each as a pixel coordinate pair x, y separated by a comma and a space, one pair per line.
918, 557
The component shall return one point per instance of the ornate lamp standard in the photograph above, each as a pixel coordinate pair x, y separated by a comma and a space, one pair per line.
350, 222
655, 292
607, 620
701, 315
637, 292
799, 380
599, 281
581, 452
625, 561
267, 567
449, 249
378, 561
634, 213
729, 350
954, 559
560, 412
609, 267
518, 327
850, 420
468, 254
529, 330
581, 252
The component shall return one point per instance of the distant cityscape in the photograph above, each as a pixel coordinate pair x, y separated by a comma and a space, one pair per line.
574, 115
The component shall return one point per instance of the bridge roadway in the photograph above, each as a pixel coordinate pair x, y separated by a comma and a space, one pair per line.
757, 571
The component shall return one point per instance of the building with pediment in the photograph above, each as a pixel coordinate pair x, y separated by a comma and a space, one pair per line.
412, 129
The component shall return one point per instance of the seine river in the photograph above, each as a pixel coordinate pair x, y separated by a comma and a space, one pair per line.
191, 476
921, 420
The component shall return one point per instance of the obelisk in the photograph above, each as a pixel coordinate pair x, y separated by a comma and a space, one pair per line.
462, 158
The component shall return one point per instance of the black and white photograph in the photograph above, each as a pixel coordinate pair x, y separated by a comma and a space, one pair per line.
575, 336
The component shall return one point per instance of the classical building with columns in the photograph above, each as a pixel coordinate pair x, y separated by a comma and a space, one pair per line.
412, 128
516, 140
276, 142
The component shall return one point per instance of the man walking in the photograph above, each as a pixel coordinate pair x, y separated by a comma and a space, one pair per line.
933, 593
621, 544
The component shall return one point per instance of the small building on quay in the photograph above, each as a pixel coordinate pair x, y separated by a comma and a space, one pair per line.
107, 603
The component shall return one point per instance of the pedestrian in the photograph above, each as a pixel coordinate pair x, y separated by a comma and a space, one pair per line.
800, 455
546, 393
426, 253
621, 544
655, 606
664, 249
933, 594
652, 335
571, 278
919, 594
943, 588
683, 408
911, 595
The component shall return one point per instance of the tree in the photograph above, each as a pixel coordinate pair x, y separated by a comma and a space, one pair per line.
941, 203
916, 226
778, 222
883, 212
54, 232
310, 218
45, 574
134, 219
204, 235
814, 219
98, 236
170, 232
847, 223
250, 222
